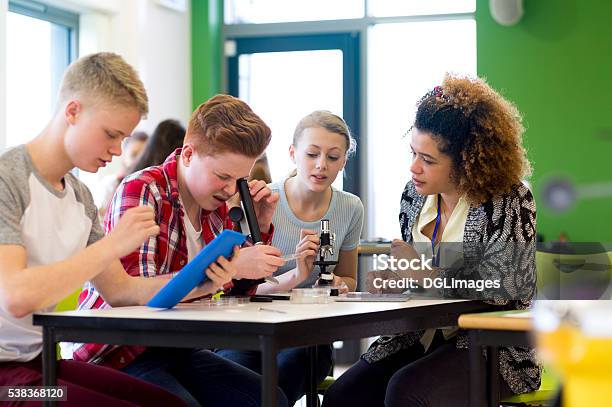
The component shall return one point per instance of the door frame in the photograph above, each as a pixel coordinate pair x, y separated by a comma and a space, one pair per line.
348, 43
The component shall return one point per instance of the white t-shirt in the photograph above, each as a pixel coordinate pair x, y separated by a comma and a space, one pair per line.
51, 225
195, 243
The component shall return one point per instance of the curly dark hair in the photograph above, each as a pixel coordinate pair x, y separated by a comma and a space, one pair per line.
480, 131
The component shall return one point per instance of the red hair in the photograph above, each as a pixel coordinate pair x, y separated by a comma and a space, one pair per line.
227, 124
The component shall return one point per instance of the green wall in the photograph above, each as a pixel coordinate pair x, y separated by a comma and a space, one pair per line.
556, 65
206, 20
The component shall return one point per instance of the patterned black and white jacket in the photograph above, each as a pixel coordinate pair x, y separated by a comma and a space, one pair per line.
510, 218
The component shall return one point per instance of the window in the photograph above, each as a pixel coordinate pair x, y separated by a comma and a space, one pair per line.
405, 61
41, 42
391, 8
285, 78
309, 79
277, 11
409, 45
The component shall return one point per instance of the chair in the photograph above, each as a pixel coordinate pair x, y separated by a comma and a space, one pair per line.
544, 396
67, 304
324, 385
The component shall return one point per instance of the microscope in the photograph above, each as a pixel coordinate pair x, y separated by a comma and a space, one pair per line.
246, 220
326, 248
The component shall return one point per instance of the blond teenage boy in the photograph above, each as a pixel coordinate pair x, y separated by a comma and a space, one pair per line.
51, 241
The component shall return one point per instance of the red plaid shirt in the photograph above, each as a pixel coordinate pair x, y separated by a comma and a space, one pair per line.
165, 253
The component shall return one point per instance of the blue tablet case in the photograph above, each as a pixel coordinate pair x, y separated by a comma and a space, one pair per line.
193, 273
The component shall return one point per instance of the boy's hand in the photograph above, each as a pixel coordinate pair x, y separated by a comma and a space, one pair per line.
258, 261
264, 201
307, 249
222, 271
134, 227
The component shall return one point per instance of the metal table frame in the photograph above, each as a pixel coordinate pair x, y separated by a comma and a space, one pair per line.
267, 337
492, 339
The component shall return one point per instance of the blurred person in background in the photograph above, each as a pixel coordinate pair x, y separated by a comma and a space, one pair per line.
167, 137
133, 147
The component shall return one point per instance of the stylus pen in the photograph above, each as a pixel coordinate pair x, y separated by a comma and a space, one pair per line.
272, 310
291, 256
272, 280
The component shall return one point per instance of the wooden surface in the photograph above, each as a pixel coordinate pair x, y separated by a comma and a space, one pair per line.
369, 249
502, 321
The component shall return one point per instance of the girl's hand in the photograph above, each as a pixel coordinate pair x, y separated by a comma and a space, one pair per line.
307, 250
340, 285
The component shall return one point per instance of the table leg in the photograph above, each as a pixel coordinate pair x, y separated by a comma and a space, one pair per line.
49, 359
493, 360
311, 394
476, 371
269, 384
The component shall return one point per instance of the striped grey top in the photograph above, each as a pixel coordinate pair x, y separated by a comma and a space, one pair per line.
345, 214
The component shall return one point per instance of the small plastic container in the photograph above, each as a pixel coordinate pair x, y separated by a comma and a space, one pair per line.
310, 295
224, 302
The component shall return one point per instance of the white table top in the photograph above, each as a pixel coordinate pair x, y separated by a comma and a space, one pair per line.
251, 312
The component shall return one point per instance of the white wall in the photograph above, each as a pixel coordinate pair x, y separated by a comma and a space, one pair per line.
154, 39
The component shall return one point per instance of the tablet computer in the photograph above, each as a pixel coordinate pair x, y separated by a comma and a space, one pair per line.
193, 274
369, 297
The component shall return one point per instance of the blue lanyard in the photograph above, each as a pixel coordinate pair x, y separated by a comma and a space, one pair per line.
436, 256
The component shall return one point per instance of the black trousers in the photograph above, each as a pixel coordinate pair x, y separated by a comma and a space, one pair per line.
411, 377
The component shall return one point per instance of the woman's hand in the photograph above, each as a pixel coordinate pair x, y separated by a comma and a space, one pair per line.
377, 282
402, 250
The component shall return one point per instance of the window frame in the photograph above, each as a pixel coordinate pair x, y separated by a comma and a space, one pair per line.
348, 43
359, 26
53, 15
66, 43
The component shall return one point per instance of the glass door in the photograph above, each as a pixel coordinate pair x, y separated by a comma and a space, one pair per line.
285, 78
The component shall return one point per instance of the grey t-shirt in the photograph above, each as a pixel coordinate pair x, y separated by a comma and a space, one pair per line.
345, 214
51, 225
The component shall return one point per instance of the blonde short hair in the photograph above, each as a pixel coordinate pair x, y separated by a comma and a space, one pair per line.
106, 77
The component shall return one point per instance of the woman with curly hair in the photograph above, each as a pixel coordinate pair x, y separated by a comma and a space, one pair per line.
467, 168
